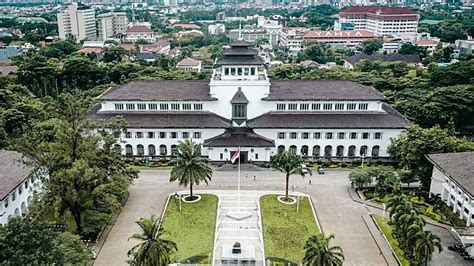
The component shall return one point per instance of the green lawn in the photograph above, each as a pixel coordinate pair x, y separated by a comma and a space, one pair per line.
193, 229
284, 231
387, 231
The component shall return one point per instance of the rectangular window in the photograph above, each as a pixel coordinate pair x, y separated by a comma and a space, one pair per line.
363, 106
339, 106
151, 135
152, 106
174, 135
197, 135
130, 106
175, 106
353, 135
316, 135
304, 106
281, 106
239, 71
246, 71
232, 71
119, 106
328, 135
185, 135
365, 135
128, 135
377, 135
341, 135
198, 106
327, 106
116, 135
252, 71
351, 106
162, 135
163, 106
305, 135
141, 106
256, 158
221, 156
293, 135
281, 135
139, 135
316, 106
292, 106
239, 111
226, 71
186, 106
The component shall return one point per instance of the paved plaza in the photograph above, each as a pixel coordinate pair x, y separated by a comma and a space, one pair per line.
337, 212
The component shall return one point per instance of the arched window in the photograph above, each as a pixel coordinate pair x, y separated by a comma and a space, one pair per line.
140, 150
163, 150
23, 207
363, 151
340, 151
316, 150
151, 150
375, 151
17, 212
9, 218
174, 149
328, 151
281, 149
29, 200
292, 149
304, 150
128, 149
352, 151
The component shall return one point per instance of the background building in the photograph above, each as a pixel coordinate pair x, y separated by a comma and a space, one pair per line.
77, 23
339, 39
382, 21
111, 24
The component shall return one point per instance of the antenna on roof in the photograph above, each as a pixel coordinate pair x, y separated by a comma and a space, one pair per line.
240, 30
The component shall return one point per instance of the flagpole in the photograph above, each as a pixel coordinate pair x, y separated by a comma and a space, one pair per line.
238, 186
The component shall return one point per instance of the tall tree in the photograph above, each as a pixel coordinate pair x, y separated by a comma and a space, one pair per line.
319, 52
190, 167
409, 150
289, 164
152, 249
320, 252
425, 244
87, 176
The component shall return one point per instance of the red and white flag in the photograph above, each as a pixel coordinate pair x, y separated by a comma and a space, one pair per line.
235, 156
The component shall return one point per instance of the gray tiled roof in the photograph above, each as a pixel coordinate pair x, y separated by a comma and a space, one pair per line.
164, 90
321, 90
458, 166
239, 137
12, 171
365, 119
163, 119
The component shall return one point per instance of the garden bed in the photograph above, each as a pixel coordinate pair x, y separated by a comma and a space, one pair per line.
387, 231
193, 229
284, 231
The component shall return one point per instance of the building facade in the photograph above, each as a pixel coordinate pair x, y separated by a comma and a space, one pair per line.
19, 184
241, 107
344, 39
292, 39
77, 23
139, 32
452, 179
111, 24
382, 21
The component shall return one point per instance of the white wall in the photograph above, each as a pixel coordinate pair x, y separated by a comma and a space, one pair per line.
22, 200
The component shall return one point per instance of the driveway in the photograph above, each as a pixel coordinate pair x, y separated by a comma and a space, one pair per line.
337, 212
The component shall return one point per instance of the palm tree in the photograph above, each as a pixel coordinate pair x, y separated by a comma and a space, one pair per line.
190, 168
394, 202
288, 163
152, 250
425, 243
318, 252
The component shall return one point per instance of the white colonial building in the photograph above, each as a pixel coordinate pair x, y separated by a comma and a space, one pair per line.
453, 180
241, 107
18, 183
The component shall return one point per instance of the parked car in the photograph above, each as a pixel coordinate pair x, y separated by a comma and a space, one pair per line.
321, 170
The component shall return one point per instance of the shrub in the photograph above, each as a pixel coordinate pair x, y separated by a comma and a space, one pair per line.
343, 164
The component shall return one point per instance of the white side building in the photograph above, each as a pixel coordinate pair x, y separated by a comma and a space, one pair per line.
453, 180
19, 182
77, 23
241, 107
140, 32
111, 24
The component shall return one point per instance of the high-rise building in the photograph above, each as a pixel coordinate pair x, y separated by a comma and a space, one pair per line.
77, 23
110, 24
382, 21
